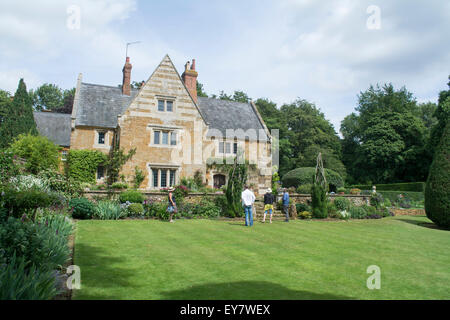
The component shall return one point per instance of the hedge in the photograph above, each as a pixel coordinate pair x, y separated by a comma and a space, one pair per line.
301, 176
437, 192
393, 195
82, 164
406, 186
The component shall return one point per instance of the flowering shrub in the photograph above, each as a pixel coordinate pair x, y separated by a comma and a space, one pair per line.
27, 182
355, 191
305, 215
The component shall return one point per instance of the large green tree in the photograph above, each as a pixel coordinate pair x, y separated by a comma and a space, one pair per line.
16, 115
442, 114
386, 141
50, 97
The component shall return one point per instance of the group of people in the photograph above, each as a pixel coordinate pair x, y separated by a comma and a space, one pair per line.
248, 199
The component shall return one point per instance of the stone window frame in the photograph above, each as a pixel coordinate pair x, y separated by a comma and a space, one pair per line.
165, 99
107, 144
231, 144
168, 169
170, 131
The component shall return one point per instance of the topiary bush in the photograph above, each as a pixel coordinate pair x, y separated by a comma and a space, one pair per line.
319, 202
82, 208
132, 196
302, 176
437, 189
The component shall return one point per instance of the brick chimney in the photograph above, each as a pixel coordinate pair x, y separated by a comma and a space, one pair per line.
126, 86
189, 77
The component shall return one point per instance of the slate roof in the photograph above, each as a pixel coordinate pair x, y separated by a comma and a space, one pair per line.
54, 126
100, 105
223, 115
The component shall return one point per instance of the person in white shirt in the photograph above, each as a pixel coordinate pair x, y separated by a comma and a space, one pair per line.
248, 198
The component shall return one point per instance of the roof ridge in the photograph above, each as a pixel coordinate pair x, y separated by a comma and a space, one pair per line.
106, 86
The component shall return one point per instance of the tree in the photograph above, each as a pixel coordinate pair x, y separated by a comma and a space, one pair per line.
39, 152
51, 97
237, 177
200, 92
16, 115
442, 114
319, 191
308, 132
437, 189
385, 142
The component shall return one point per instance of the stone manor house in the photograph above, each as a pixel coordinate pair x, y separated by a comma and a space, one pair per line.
175, 133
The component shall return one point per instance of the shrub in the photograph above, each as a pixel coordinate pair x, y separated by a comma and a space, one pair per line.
136, 209
303, 207
342, 204
60, 183
344, 215
305, 215
26, 202
8, 166
108, 210
39, 152
341, 189
82, 208
406, 186
357, 213
27, 182
222, 204
332, 210
207, 208
302, 176
180, 193
387, 203
119, 185
437, 190
304, 189
132, 196
319, 202
38, 243
19, 282
376, 200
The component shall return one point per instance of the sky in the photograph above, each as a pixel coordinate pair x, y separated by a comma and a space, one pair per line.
323, 51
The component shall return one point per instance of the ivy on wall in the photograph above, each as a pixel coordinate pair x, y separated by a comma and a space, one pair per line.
82, 164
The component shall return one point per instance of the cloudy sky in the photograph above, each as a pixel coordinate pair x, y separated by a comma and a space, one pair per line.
322, 51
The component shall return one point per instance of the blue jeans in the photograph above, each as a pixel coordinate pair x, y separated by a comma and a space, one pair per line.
248, 215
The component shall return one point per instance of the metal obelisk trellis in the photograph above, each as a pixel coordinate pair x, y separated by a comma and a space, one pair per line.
319, 177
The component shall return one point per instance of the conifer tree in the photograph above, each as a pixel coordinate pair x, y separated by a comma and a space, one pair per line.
17, 116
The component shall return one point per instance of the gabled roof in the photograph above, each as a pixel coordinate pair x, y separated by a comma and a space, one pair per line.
54, 126
99, 105
224, 114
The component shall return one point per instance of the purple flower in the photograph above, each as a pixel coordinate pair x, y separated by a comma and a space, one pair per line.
24, 217
56, 231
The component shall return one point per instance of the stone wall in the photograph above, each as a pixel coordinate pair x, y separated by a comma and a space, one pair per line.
196, 197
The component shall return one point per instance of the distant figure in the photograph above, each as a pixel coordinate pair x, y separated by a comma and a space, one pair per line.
286, 204
172, 208
269, 199
248, 198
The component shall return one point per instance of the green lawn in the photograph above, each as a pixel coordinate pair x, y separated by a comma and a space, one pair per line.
209, 259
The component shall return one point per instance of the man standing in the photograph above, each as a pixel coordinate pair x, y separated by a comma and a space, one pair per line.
269, 199
248, 198
286, 204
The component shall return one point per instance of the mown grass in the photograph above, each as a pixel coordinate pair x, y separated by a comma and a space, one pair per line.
210, 259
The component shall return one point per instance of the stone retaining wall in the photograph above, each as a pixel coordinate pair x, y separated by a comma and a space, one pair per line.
196, 197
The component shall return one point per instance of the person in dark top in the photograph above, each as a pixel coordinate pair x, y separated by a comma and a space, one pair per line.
172, 207
269, 199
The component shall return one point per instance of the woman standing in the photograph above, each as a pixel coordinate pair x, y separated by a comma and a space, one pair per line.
172, 208
269, 199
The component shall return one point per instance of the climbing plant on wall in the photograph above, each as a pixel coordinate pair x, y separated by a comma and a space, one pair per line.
318, 191
82, 164
237, 177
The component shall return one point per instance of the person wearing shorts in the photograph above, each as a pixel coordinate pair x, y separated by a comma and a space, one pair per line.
269, 199
172, 206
